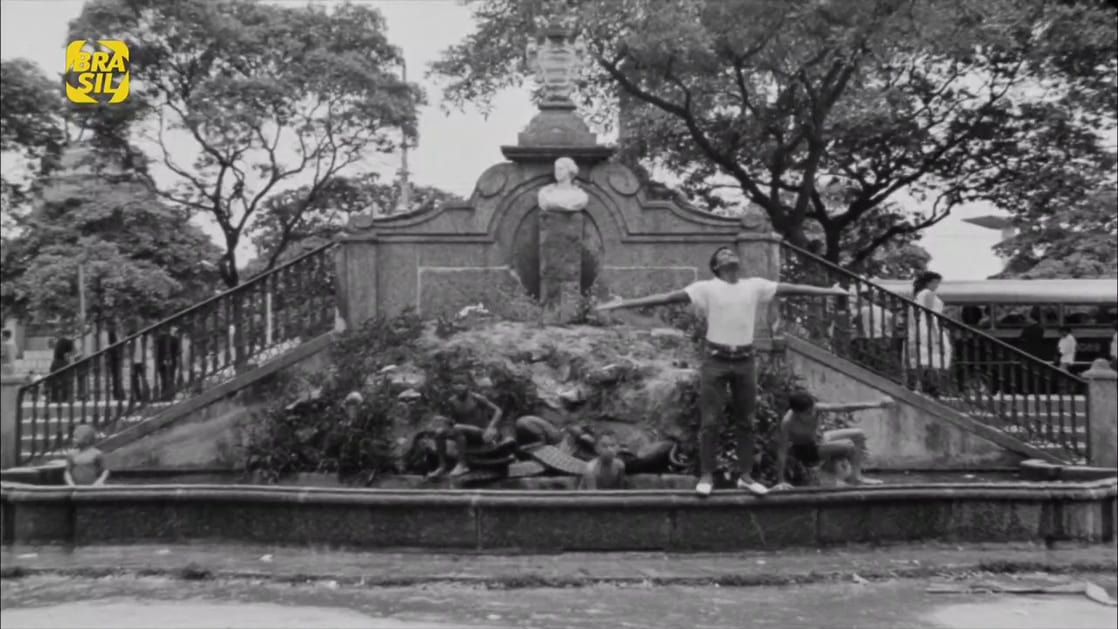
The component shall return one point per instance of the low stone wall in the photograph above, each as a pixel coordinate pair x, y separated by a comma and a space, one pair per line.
498, 521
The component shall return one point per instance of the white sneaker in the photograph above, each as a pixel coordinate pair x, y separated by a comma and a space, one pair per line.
752, 486
704, 488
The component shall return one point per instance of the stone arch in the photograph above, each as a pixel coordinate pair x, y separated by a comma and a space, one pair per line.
515, 227
525, 248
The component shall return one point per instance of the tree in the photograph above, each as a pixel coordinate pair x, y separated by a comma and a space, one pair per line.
268, 97
1075, 239
901, 257
289, 220
943, 100
142, 259
32, 129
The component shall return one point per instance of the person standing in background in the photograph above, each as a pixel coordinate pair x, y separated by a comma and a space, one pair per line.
1067, 347
874, 346
929, 345
139, 380
168, 350
8, 354
1032, 339
1114, 349
60, 390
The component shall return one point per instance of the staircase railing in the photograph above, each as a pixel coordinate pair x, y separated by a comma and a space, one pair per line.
185, 354
931, 353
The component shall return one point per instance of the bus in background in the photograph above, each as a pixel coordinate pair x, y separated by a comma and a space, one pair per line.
1029, 314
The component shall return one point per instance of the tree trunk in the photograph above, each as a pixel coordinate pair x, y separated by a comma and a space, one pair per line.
832, 239
790, 229
229, 273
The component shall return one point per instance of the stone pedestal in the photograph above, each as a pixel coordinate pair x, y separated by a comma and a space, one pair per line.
9, 441
560, 264
557, 125
758, 248
1102, 414
356, 284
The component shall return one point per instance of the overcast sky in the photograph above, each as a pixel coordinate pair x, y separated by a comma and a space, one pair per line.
454, 149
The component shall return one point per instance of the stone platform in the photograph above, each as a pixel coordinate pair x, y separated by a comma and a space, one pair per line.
505, 521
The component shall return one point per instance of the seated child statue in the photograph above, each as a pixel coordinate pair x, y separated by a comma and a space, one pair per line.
85, 465
472, 420
605, 471
798, 437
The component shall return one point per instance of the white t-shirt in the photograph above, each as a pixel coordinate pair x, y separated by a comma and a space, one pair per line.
731, 309
1067, 348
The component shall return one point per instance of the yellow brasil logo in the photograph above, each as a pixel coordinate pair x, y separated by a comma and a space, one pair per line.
97, 72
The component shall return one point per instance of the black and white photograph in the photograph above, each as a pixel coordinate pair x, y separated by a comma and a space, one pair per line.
559, 314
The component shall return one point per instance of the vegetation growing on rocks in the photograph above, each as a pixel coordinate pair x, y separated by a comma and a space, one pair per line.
638, 382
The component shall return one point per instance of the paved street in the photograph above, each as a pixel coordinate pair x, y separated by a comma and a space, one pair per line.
787, 566
133, 602
208, 586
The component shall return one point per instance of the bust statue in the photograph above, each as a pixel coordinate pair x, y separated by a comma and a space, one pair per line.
564, 195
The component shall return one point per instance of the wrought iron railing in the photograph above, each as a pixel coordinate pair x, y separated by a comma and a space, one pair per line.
181, 356
977, 374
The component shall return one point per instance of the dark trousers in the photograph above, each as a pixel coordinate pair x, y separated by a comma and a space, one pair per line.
167, 380
719, 379
139, 383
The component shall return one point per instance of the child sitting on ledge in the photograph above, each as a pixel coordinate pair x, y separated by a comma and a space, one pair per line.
473, 421
606, 471
85, 465
798, 437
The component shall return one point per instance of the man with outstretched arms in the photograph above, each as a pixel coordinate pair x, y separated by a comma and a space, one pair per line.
731, 304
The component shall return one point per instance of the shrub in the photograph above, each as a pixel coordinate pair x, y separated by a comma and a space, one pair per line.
376, 344
318, 436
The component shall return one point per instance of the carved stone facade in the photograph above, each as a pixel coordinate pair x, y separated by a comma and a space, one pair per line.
442, 260
624, 243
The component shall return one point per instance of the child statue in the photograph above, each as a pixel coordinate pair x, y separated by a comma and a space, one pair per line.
85, 464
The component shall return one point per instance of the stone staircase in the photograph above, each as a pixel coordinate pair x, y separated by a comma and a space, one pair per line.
179, 359
50, 423
1035, 421
993, 383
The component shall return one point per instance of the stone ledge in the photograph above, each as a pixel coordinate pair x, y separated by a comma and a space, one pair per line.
541, 153
558, 520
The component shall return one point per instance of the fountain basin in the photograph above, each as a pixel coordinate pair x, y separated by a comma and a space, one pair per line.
558, 520
52, 474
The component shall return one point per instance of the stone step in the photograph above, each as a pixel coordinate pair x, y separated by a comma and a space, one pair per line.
1053, 402
62, 412
26, 437
1018, 430
63, 422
